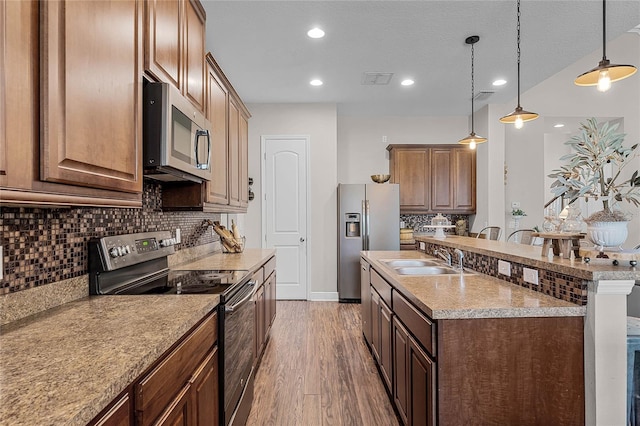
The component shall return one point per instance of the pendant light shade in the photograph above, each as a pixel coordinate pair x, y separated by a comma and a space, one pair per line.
472, 140
519, 115
605, 73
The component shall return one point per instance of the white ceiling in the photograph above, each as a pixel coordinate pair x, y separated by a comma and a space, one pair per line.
263, 49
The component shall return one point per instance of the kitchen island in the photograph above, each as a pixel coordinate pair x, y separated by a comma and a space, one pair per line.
464, 347
599, 288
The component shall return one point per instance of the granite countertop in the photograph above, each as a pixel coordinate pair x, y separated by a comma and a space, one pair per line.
250, 259
473, 295
532, 255
64, 365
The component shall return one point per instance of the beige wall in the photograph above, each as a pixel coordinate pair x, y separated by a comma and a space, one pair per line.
319, 121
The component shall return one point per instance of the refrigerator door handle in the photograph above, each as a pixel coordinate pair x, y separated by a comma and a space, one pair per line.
364, 226
366, 219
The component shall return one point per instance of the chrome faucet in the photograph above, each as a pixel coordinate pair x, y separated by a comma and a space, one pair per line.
445, 255
460, 258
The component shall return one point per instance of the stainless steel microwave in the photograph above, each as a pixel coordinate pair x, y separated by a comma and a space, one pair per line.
177, 144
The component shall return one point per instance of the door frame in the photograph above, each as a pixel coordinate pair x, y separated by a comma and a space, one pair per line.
263, 155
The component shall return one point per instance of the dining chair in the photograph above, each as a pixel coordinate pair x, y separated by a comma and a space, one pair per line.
522, 236
492, 232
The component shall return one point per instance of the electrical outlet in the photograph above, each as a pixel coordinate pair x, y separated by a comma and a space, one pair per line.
504, 268
178, 239
423, 246
530, 275
384, 139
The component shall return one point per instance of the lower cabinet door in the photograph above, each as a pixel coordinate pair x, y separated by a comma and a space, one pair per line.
400, 355
422, 386
118, 415
179, 412
375, 324
386, 344
205, 391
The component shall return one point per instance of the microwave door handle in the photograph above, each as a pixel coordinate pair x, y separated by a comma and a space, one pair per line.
199, 165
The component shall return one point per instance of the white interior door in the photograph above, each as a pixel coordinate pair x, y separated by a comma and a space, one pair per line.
284, 211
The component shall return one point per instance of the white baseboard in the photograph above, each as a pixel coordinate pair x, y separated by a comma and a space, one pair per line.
323, 296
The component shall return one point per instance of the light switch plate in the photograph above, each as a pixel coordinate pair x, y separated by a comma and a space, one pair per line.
504, 268
178, 239
423, 246
530, 275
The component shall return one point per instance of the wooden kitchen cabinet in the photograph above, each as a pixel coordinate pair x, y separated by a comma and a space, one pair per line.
176, 389
175, 46
260, 322
381, 337
117, 414
217, 114
270, 301
71, 135
434, 178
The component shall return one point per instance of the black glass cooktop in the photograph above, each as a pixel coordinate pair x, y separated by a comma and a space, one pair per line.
190, 282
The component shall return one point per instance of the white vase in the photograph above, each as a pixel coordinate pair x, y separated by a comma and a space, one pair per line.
607, 234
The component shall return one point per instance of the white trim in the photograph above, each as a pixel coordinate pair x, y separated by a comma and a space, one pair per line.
323, 296
623, 287
307, 147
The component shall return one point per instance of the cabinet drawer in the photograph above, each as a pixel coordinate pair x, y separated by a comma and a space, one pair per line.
383, 287
269, 267
419, 325
158, 388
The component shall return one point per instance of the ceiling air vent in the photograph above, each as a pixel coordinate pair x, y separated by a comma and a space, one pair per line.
376, 78
483, 95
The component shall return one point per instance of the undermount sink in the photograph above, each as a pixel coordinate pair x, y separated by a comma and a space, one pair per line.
400, 263
425, 270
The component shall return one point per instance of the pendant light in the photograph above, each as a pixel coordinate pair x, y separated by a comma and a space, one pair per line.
605, 73
472, 139
519, 116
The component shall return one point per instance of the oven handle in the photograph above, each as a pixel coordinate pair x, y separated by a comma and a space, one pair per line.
242, 301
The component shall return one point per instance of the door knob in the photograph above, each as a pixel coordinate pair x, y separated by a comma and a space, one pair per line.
301, 240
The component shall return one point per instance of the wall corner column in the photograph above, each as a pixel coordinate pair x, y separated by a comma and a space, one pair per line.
605, 352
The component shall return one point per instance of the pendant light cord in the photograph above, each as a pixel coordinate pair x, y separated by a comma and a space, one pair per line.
518, 43
472, 90
604, 30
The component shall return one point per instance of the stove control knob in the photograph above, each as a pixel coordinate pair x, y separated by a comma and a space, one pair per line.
114, 252
127, 249
121, 251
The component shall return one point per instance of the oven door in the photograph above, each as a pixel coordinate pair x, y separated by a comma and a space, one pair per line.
239, 324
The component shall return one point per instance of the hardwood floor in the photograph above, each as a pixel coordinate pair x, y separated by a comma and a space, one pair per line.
316, 370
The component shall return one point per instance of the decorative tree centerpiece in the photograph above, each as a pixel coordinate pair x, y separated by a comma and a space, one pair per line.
594, 172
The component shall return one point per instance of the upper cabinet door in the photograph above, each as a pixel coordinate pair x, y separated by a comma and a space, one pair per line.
442, 182
409, 167
243, 136
234, 153
195, 53
163, 40
217, 101
91, 61
464, 161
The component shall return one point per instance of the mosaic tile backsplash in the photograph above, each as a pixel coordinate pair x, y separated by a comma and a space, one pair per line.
554, 284
42, 246
417, 221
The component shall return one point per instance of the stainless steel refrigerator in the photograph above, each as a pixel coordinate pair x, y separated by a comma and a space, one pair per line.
368, 219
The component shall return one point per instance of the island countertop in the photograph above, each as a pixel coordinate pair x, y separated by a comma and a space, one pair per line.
532, 255
473, 295
64, 365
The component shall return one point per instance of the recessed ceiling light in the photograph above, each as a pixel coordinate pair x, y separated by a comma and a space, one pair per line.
407, 82
315, 33
558, 125
500, 82
316, 82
